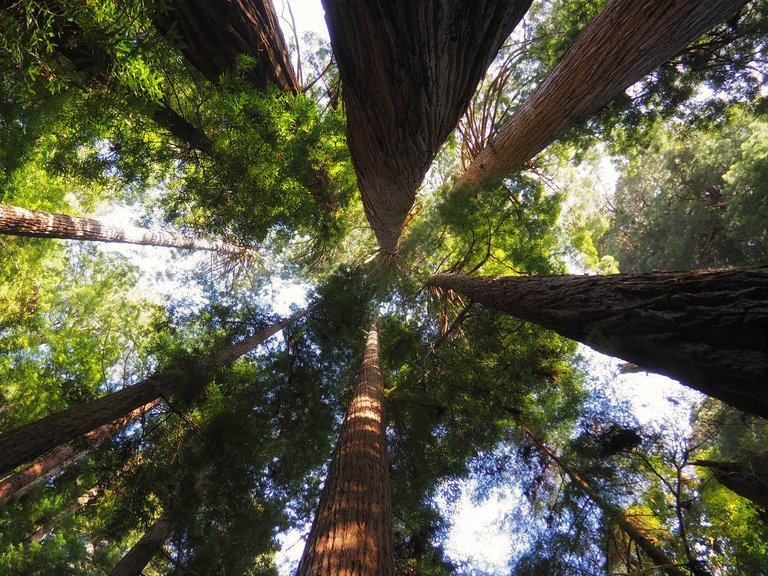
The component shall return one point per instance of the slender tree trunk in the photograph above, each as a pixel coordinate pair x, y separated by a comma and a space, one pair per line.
750, 482
137, 558
24, 480
708, 329
624, 43
35, 439
408, 70
215, 32
660, 558
80, 502
352, 532
17, 221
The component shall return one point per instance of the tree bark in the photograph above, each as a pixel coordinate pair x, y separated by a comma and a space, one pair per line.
17, 221
708, 329
352, 532
624, 43
408, 70
214, 33
134, 562
81, 501
35, 439
660, 558
23, 481
750, 482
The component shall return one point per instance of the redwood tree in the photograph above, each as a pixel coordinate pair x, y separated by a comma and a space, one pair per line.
708, 329
352, 531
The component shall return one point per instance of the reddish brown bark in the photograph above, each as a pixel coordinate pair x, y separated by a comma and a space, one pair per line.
134, 562
352, 532
708, 329
47, 467
215, 32
624, 43
35, 439
408, 70
38, 224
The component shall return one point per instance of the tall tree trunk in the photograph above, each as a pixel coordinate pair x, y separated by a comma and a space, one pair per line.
708, 329
35, 439
80, 502
408, 70
17, 221
624, 43
660, 558
215, 32
352, 532
748, 481
24, 480
137, 558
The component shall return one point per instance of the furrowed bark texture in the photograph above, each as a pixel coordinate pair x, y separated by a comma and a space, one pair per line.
36, 438
134, 562
708, 329
352, 532
38, 224
215, 32
662, 560
18, 484
750, 482
624, 43
408, 70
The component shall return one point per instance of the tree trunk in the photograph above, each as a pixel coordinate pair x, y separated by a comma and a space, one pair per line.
750, 482
352, 532
47, 467
624, 43
134, 562
708, 329
35, 439
215, 32
17, 221
81, 501
660, 558
408, 70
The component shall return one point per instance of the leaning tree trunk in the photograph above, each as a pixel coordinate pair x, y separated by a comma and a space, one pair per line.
660, 558
750, 482
708, 329
85, 499
624, 43
352, 532
134, 562
35, 439
17, 221
24, 480
408, 70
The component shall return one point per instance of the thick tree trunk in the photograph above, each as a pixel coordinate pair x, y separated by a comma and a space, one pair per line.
750, 482
35, 439
137, 558
708, 329
17, 221
624, 43
660, 558
23, 481
352, 532
408, 70
80, 502
215, 32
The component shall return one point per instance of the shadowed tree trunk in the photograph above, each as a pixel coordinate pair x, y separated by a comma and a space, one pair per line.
32, 440
23, 481
660, 558
80, 502
215, 32
708, 329
408, 70
624, 43
134, 562
17, 221
750, 482
352, 532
